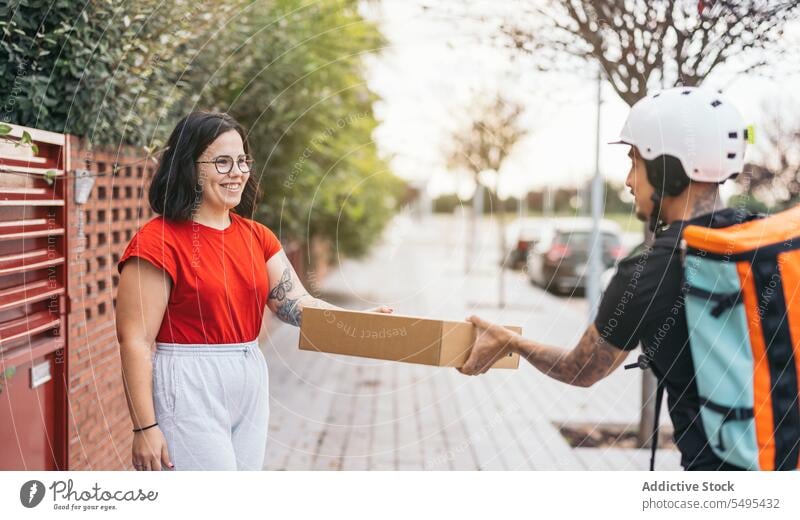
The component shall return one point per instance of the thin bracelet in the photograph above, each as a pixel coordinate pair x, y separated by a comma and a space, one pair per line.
137, 430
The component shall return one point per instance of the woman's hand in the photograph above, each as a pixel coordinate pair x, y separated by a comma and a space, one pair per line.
383, 309
150, 450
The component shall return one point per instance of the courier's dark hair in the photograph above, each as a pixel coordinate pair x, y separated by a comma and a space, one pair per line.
175, 190
668, 178
666, 175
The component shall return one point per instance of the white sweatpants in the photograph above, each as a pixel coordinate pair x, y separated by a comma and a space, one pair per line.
212, 404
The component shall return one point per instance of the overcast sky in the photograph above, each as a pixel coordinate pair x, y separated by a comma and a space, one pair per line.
432, 67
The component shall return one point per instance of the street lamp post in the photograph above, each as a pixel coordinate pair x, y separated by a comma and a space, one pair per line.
594, 266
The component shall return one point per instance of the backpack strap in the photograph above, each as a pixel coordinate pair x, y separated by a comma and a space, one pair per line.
723, 301
728, 414
654, 439
643, 362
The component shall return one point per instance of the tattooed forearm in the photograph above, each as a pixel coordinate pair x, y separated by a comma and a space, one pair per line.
288, 298
289, 311
590, 361
286, 305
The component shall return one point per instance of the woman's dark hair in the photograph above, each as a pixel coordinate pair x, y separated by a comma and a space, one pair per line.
175, 190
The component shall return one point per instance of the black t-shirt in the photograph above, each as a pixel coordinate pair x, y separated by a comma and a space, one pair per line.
644, 304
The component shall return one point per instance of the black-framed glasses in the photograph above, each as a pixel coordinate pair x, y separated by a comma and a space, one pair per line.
224, 163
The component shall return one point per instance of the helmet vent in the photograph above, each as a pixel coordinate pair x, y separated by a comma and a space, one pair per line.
733, 135
656, 95
716, 103
686, 92
732, 155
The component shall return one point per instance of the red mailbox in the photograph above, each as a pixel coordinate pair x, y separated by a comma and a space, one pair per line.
33, 357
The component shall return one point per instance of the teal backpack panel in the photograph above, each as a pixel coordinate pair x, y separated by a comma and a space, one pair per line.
723, 360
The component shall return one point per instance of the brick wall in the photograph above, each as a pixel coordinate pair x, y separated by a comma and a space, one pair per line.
99, 422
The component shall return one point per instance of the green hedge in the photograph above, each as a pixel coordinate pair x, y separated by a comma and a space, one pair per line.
291, 71
106, 69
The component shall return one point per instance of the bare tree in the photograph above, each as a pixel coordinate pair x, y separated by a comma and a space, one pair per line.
775, 179
640, 44
482, 145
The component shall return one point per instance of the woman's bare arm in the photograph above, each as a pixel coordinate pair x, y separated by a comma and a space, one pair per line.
141, 302
287, 296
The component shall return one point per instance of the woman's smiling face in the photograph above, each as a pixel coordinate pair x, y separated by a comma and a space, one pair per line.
222, 191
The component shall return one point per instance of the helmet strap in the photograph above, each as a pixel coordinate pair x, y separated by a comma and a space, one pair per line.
666, 175
655, 216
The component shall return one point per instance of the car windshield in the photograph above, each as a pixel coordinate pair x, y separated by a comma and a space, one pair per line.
581, 239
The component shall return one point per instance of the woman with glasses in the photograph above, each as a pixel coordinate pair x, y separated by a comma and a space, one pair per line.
195, 280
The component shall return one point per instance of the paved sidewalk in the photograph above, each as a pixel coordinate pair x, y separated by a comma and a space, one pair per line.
337, 412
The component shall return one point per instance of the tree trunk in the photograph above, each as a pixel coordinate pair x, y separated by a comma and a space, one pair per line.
648, 409
472, 237
501, 288
648, 389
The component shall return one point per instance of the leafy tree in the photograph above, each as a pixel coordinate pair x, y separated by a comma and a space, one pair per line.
292, 73
448, 202
749, 202
481, 146
108, 70
121, 71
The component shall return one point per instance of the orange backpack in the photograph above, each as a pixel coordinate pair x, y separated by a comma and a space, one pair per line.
742, 287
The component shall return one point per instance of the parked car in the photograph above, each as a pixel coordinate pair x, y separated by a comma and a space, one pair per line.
521, 235
558, 260
632, 244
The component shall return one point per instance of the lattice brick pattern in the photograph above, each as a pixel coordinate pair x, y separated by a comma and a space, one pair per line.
99, 230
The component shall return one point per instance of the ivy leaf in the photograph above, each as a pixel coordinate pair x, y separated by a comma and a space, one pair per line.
5, 129
50, 177
35, 149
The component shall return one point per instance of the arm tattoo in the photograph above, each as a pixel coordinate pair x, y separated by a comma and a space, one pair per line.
280, 291
288, 310
591, 360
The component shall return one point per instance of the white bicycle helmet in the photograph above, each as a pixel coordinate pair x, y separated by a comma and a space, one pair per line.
699, 127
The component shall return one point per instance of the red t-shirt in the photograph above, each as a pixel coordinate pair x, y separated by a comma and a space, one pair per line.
219, 277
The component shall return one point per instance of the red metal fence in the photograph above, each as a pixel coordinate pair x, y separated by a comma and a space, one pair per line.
33, 251
62, 404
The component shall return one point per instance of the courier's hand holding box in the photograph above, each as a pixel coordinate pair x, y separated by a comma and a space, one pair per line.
392, 337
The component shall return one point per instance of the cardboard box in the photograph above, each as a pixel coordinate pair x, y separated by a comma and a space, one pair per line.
393, 337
